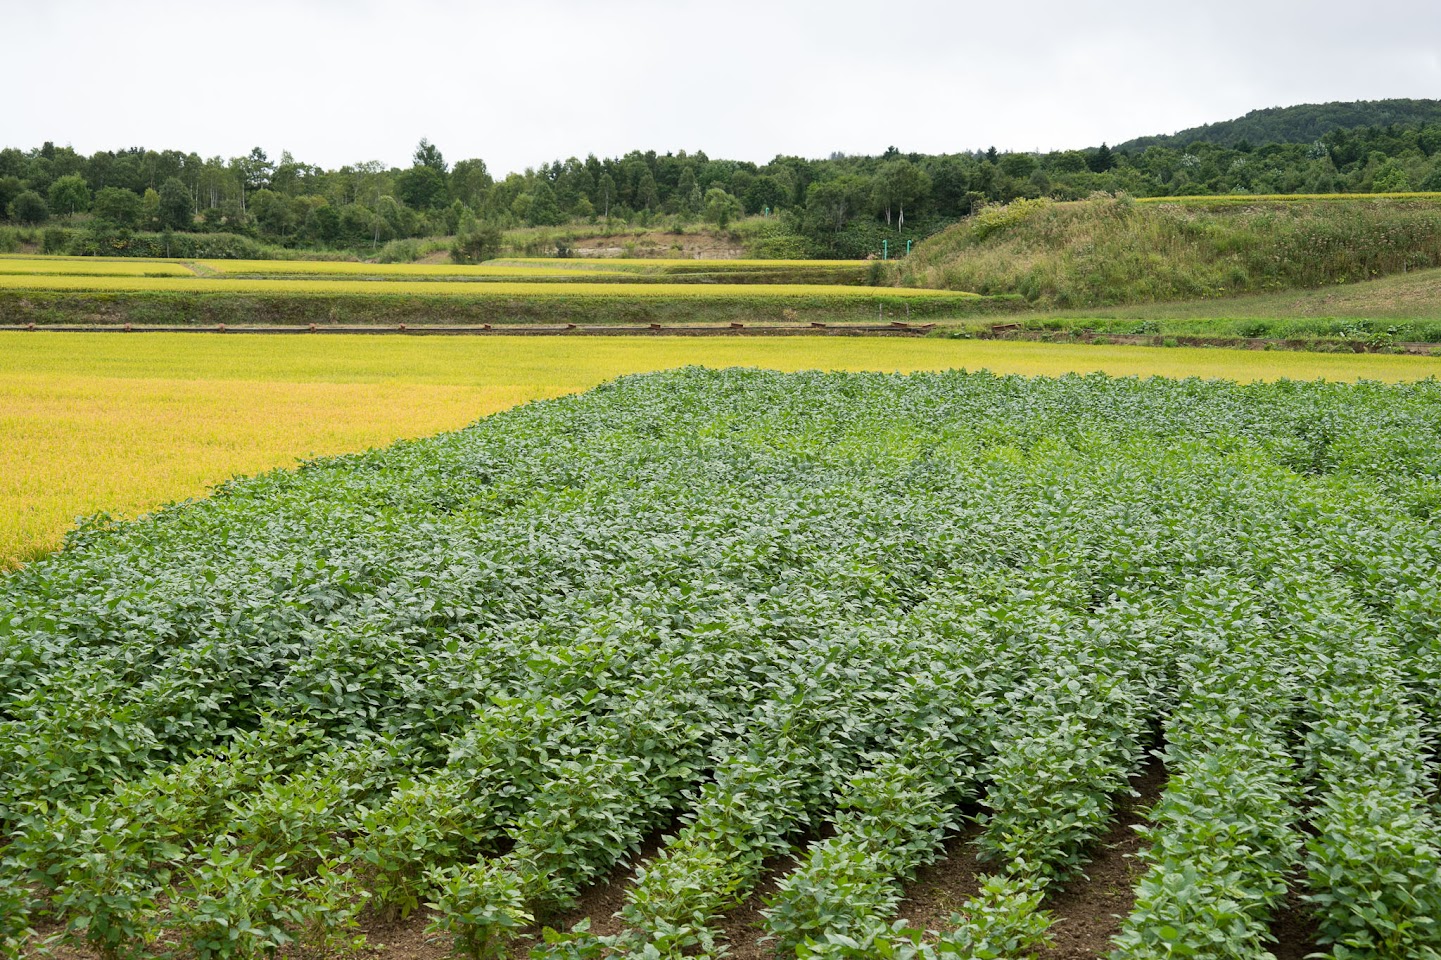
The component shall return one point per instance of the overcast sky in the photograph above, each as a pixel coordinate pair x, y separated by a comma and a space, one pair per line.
522, 82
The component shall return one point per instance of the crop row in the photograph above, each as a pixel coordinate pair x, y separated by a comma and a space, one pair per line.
812, 623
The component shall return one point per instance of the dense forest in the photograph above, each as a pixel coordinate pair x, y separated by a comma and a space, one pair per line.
841, 205
1304, 123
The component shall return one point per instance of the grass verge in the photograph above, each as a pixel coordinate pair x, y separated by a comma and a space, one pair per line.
641, 303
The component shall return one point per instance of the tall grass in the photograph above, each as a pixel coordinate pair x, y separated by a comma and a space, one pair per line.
1112, 250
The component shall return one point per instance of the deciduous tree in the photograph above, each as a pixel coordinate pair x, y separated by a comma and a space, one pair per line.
721, 208
118, 206
29, 207
70, 194
176, 210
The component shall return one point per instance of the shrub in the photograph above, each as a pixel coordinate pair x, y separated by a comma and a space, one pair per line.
55, 240
478, 243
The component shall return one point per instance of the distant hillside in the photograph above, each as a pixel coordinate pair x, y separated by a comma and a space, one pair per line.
1108, 251
1299, 124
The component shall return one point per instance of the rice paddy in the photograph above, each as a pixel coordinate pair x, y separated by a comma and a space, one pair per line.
91, 266
330, 287
125, 424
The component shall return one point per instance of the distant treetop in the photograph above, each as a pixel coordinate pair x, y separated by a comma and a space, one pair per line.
1303, 123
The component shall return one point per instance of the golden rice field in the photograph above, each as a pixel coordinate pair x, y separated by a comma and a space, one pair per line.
326, 286
833, 271
91, 422
515, 267
654, 263
348, 268
93, 266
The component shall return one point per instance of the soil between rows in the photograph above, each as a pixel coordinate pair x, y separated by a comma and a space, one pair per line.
1090, 909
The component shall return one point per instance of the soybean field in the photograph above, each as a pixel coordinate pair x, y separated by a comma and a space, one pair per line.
776, 641
126, 424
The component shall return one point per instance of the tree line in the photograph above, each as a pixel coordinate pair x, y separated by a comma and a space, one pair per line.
1302, 123
837, 205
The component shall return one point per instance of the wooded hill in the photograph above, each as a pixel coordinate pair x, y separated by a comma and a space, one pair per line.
840, 206
1303, 123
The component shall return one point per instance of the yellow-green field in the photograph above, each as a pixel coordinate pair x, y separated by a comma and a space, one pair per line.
614, 270
93, 266
92, 422
327, 286
349, 268
662, 264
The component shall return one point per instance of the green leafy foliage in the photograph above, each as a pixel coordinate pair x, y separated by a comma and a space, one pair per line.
1372, 862
479, 905
239, 906
755, 616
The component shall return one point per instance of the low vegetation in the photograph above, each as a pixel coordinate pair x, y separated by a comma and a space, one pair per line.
747, 614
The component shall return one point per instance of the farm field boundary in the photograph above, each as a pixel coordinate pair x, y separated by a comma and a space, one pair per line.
438, 303
816, 329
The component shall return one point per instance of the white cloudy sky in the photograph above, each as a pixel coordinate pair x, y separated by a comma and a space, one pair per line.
524, 81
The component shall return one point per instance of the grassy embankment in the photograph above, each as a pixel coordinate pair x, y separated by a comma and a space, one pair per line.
126, 424
1341, 268
1396, 309
1108, 251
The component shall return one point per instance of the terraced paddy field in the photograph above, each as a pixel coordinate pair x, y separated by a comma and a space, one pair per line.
327, 286
704, 657
65, 291
13, 266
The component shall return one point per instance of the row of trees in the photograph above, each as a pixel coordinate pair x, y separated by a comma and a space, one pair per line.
291, 202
